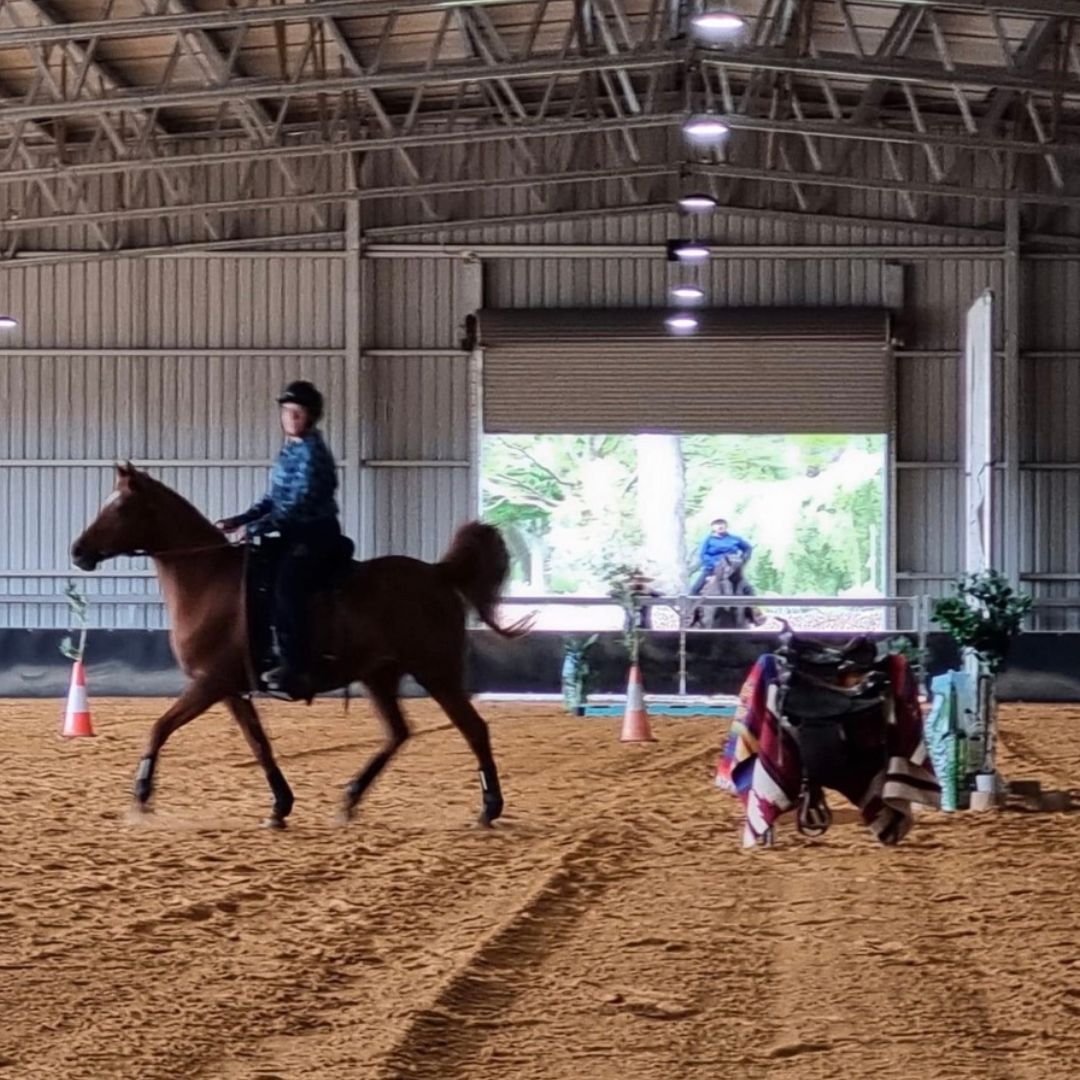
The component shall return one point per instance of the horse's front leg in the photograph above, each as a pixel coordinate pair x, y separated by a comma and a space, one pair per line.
193, 702
245, 715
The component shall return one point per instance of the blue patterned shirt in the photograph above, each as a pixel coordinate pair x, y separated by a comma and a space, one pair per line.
302, 485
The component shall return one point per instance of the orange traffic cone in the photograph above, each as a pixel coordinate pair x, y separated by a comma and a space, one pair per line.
635, 726
77, 715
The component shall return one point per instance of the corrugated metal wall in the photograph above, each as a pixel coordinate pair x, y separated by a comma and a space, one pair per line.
173, 364
1050, 438
421, 468
126, 357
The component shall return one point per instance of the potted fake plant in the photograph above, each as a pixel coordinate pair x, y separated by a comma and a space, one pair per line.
625, 586
983, 618
73, 645
577, 673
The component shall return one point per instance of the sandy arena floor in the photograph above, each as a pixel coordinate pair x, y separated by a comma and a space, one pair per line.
608, 928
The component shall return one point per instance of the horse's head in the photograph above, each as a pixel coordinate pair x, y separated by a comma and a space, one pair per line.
139, 516
728, 564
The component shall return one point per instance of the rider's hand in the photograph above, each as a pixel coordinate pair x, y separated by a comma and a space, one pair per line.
228, 526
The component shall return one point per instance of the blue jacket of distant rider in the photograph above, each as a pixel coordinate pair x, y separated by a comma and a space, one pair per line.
714, 548
302, 486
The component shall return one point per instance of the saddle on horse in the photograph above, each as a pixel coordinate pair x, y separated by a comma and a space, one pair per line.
834, 703
261, 587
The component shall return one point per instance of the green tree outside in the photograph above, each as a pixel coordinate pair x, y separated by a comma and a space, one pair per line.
812, 505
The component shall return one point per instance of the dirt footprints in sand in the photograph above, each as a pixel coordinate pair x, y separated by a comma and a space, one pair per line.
611, 928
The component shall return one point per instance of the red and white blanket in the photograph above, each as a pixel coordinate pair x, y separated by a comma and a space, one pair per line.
760, 762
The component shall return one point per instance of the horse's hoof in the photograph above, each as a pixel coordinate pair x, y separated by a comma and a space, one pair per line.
274, 822
345, 816
139, 812
484, 821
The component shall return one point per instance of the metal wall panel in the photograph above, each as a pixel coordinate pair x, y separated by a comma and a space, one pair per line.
1052, 314
416, 303
928, 408
414, 506
242, 301
927, 512
207, 420
1051, 393
422, 408
941, 290
738, 281
245, 302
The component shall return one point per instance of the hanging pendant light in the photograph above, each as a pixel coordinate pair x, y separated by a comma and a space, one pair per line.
681, 323
691, 251
718, 24
688, 294
705, 128
697, 203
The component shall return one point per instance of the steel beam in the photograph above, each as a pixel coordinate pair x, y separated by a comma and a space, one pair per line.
239, 206
550, 129
249, 89
861, 183
915, 73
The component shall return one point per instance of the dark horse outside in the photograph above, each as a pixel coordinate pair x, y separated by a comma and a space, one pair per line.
390, 617
726, 580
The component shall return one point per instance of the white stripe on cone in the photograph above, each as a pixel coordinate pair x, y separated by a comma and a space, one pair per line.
635, 726
77, 701
77, 714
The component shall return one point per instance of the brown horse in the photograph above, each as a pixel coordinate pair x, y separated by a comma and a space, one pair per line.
391, 617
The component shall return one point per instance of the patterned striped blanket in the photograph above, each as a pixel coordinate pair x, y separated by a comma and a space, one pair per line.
760, 762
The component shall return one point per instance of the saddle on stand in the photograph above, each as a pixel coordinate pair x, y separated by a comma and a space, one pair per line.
834, 704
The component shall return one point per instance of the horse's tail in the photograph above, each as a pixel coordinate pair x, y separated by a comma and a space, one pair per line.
477, 565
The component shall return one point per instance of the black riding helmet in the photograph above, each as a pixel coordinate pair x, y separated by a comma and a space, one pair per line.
304, 394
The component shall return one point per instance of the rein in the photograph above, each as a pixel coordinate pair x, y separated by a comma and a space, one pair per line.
177, 552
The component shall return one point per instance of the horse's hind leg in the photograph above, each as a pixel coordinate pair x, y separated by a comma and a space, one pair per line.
244, 713
456, 704
383, 690
193, 702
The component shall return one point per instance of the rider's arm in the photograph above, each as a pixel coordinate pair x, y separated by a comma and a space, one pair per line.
746, 549
256, 511
703, 553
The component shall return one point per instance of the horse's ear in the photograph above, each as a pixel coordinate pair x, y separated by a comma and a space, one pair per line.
124, 470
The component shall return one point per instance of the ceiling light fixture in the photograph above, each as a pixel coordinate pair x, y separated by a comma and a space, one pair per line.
691, 252
705, 128
697, 203
688, 293
681, 323
718, 23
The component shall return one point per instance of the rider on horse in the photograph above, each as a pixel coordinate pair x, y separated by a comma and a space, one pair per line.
300, 506
718, 544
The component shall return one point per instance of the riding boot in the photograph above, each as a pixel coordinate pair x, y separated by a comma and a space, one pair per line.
291, 676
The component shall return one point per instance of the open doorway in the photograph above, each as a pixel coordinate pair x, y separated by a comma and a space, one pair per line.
576, 509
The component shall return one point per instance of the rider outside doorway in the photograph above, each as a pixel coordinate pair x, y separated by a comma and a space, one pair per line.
718, 544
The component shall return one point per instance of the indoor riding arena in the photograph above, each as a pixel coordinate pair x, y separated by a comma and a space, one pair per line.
780, 293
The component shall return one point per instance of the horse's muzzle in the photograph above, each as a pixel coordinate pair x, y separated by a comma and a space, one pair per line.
84, 560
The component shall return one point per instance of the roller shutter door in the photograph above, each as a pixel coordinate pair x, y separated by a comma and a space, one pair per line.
582, 370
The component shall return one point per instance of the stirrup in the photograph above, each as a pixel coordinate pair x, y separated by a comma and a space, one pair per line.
814, 816
295, 685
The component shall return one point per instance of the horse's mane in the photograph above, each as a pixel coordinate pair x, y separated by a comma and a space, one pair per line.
187, 514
